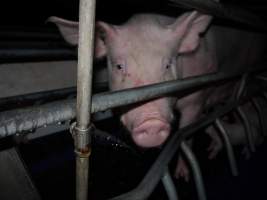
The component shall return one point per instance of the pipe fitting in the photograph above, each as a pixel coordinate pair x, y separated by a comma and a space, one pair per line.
82, 139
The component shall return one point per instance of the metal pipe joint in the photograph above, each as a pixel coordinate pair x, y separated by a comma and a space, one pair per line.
82, 139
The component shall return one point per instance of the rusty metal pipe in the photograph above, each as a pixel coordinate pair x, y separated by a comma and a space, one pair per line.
228, 146
81, 130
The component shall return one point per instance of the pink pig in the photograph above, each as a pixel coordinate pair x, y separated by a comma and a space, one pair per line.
152, 48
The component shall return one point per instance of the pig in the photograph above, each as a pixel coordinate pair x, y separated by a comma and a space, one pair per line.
152, 48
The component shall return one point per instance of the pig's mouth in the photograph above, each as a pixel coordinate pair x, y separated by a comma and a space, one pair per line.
151, 132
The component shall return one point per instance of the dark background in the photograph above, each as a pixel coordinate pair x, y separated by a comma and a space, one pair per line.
50, 160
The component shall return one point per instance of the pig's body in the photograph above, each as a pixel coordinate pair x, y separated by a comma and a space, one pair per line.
153, 48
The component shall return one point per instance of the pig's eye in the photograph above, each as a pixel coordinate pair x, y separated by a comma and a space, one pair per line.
119, 66
168, 66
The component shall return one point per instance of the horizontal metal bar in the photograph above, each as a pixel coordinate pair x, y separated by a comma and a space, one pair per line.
36, 54
27, 119
29, 44
22, 33
224, 11
195, 171
13, 101
153, 176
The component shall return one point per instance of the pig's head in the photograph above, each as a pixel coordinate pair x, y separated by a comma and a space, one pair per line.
144, 51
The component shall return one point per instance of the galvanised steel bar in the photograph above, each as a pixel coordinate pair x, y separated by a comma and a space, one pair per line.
263, 78
153, 176
22, 120
25, 99
81, 129
195, 170
36, 54
228, 146
248, 130
169, 186
257, 107
223, 11
16, 33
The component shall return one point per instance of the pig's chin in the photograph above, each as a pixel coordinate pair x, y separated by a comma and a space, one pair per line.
151, 133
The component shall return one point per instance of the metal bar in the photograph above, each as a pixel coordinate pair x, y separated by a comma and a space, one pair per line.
18, 34
242, 85
35, 54
169, 186
153, 176
224, 11
256, 105
248, 130
82, 136
21, 120
25, 99
29, 44
261, 77
228, 145
195, 170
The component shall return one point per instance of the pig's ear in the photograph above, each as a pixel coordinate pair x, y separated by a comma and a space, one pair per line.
68, 29
104, 33
188, 27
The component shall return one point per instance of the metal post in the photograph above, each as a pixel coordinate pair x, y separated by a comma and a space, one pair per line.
247, 126
169, 186
82, 128
228, 146
196, 171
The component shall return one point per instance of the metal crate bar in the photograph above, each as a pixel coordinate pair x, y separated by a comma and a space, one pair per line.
81, 129
247, 126
256, 105
28, 119
195, 170
223, 11
169, 186
228, 146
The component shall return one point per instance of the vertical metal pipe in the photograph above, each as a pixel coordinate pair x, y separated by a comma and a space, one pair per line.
169, 186
248, 130
196, 171
85, 61
256, 105
241, 87
84, 90
228, 146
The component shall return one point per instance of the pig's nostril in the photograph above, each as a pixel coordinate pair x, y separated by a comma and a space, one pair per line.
151, 133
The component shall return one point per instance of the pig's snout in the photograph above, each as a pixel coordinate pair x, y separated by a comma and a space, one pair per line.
151, 133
